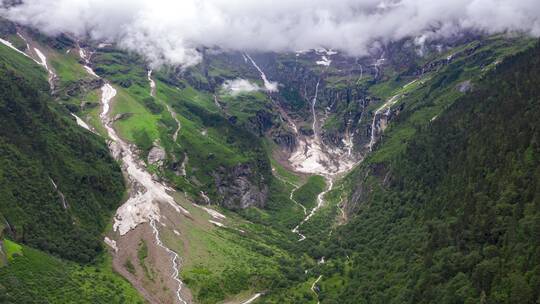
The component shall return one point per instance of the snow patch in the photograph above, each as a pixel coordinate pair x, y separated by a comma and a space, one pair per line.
43, 62
217, 223
216, 102
253, 298
213, 213
328, 52
145, 193
81, 122
312, 156
90, 71
86, 58
26, 41
42, 58
205, 197
183, 165
111, 243
175, 117
324, 61
152, 84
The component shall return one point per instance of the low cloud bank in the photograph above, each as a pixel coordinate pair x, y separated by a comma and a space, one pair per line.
170, 31
238, 86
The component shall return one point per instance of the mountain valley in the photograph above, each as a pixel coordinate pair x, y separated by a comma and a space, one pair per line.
408, 175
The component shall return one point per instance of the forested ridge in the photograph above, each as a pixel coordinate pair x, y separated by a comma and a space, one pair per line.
455, 218
40, 146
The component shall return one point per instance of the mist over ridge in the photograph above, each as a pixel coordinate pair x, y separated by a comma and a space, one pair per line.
167, 31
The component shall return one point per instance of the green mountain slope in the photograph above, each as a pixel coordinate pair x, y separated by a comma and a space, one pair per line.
455, 217
444, 209
41, 148
35, 277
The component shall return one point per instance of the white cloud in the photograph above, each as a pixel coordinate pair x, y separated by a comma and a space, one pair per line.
238, 86
170, 31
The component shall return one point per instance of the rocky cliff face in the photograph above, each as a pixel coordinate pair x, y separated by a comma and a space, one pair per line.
261, 122
78, 88
285, 139
7, 28
157, 155
240, 188
345, 110
341, 103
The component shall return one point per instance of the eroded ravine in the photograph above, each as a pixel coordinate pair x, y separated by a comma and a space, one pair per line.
145, 194
43, 62
272, 87
311, 156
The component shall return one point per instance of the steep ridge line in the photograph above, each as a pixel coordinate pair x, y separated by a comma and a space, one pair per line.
388, 107
11, 46
37, 52
145, 193
52, 75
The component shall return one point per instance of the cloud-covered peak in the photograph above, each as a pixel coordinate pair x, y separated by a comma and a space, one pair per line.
170, 31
